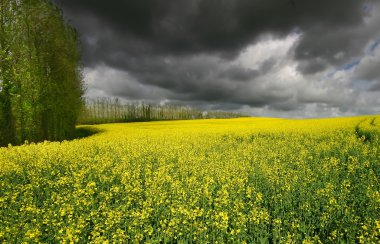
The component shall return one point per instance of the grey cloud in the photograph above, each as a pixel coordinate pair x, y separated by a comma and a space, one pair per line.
322, 46
239, 74
375, 87
369, 68
121, 84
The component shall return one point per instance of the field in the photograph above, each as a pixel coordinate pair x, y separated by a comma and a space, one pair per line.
254, 180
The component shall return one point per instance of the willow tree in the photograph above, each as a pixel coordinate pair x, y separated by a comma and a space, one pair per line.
44, 84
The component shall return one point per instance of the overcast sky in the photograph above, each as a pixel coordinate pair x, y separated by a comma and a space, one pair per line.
282, 58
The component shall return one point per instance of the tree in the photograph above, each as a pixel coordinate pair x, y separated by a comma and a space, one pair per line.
40, 73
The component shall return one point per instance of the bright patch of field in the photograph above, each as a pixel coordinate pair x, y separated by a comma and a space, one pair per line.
240, 180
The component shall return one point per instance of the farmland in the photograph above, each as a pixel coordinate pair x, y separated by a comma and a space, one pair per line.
229, 180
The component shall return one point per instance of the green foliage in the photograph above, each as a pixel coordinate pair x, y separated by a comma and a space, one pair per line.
41, 79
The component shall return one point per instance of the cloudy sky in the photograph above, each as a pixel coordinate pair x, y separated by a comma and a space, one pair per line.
282, 58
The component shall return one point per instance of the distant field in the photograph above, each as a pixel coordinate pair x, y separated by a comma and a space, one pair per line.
239, 180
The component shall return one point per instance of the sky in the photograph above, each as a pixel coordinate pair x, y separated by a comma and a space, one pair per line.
278, 58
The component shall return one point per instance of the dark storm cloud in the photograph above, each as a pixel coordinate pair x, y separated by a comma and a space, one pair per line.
185, 50
216, 26
239, 74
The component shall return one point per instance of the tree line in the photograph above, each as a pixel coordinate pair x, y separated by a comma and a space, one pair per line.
40, 76
107, 110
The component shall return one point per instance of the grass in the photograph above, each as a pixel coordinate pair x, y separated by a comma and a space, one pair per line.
239, 180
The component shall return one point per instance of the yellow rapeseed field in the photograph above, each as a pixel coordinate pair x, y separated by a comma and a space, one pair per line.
249, 180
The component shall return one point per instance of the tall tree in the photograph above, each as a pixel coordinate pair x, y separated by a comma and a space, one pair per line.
40, 73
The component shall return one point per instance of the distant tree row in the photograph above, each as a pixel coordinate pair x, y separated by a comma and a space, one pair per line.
40, 78
106, 110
